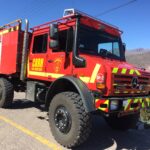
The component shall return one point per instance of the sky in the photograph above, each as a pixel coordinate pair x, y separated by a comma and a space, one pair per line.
133, 19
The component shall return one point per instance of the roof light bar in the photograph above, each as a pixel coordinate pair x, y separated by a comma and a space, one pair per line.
72, 11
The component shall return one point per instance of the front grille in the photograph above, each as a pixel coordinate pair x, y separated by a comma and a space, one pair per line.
147, 74
122, 84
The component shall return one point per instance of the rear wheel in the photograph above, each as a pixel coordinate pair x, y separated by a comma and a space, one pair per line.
122, 123
70, 123
6, 93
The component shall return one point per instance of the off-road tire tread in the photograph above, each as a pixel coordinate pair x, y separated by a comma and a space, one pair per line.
8, 94
84, 118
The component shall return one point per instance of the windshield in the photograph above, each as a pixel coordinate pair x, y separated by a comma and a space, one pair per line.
99, 43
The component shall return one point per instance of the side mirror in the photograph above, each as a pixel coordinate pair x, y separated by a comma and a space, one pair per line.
69, 43
79, 62
53, 44
53, 31
124, 50
124, 47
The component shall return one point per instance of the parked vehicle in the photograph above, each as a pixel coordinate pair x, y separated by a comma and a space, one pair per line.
75, 65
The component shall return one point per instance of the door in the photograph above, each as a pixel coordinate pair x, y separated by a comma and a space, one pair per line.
59, 63
38, 56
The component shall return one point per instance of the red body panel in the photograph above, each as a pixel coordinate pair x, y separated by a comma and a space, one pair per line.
9, 52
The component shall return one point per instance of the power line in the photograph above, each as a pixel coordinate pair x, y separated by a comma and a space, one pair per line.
115, 8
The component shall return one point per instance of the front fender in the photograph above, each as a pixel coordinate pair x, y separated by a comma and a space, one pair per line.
70, 83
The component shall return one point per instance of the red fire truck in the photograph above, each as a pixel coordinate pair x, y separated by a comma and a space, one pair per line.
76, 66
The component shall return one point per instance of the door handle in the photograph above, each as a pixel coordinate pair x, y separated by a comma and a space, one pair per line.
50, 61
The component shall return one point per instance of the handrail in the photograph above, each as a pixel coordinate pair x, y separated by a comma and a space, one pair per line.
48, 23
11, 24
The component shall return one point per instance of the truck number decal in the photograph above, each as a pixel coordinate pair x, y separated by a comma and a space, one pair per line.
37, 64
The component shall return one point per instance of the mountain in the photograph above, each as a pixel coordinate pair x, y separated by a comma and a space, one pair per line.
139, 57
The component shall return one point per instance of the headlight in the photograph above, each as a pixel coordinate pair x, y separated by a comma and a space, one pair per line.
114, 105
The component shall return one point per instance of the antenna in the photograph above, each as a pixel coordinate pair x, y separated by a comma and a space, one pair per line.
115, 8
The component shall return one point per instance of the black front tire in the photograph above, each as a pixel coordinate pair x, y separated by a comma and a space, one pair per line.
77, 128
6, 93
122, 123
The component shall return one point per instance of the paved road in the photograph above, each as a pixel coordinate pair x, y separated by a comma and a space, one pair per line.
25, 127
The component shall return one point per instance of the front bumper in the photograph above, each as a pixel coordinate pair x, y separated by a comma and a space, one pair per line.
125, 104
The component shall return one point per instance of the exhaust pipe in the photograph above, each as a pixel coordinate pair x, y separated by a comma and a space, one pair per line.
24, 52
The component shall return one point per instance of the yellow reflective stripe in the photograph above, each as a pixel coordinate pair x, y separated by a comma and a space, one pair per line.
44, 74
96, 100
9, 30
140, 99
17, 27
4, 32
55, 75
115, 84
137, 72
136, 100
125, 92
115, 70
85, 79
95, 72
129, 100
143, 104
148, 102
106, 102
103, 109
12, 29
131, 71
124, 70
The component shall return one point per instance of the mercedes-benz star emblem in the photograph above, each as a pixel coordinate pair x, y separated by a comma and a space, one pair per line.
134, 82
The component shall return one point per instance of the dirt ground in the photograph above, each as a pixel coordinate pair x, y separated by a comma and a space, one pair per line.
25, 127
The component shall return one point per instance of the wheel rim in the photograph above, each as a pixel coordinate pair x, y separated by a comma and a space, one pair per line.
62, 119
1, 92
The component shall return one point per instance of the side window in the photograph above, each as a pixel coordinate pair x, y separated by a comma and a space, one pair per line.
40, 44
62, 40
65, 38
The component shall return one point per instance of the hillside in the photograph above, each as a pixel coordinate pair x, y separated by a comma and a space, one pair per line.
139, 57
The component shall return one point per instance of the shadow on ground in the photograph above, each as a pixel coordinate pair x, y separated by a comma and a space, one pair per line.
102, 137
24, 104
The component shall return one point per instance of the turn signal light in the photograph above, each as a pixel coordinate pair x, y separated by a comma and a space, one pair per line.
100, 81
100, 86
